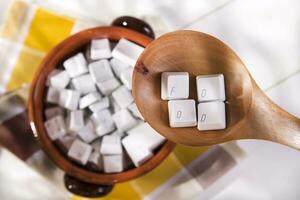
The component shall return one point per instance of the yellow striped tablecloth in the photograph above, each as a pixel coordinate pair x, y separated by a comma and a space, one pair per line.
27, 34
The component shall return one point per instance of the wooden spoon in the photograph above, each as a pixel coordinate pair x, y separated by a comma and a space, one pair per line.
249, 112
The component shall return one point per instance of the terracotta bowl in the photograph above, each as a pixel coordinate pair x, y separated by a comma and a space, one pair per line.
79, 177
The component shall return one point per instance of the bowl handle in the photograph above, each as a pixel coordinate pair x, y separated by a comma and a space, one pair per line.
85, 189
134, 24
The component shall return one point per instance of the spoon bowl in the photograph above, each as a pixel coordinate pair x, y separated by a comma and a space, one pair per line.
249, 113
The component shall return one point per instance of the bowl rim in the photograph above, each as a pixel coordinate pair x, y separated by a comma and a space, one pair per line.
64, 49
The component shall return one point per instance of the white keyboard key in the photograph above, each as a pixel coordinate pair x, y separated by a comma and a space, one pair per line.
52, 73
76, 65
53, 112
147, 136
118, 66
211, 116
113, 163
108, 86
174, 85
52, 95
101, 71
89, 99
95, 161
87, 133
64, 143
182, 113
100, 49
123, 96
84, 84
136, 151
55, 127
111, 145
60, 80
126, 77
210, 87
134, 110
69, 99
103, 122
76, 120
124, 120
99, 105
80, 151
126, 51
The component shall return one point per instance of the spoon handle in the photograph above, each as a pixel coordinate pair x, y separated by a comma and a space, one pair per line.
268, 121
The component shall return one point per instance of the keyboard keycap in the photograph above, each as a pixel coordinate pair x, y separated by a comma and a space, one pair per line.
182, 113
211, 116
80, 151
111, 145
76, 65
123, 97
60, 80
69, 99
100, 71
84, 84
124, 120
89, 99
100, 49
55, 127
126, 51
210, 88
174, 85
118, 66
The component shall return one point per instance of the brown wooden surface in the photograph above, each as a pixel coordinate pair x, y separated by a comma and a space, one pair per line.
249, 113
36, 105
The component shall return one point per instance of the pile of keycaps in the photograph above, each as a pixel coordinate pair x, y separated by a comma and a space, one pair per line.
90, 112
182, 111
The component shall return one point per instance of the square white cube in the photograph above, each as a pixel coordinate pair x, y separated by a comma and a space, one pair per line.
210, 88
113, 163
76, 65
89, 99
111, 145
100, 71
146, 135
182, 113
52, 73
174, 85
100, 49
54, 111
108, 86
124, 120
127, 51
126, 77
64, 143
136, 151
211, 116
84, 84
80, 151
53, 95
60, 80
103, 122
87, 133
69, 99
55, 127
118, 66
123, 96
76, 120
100, 105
